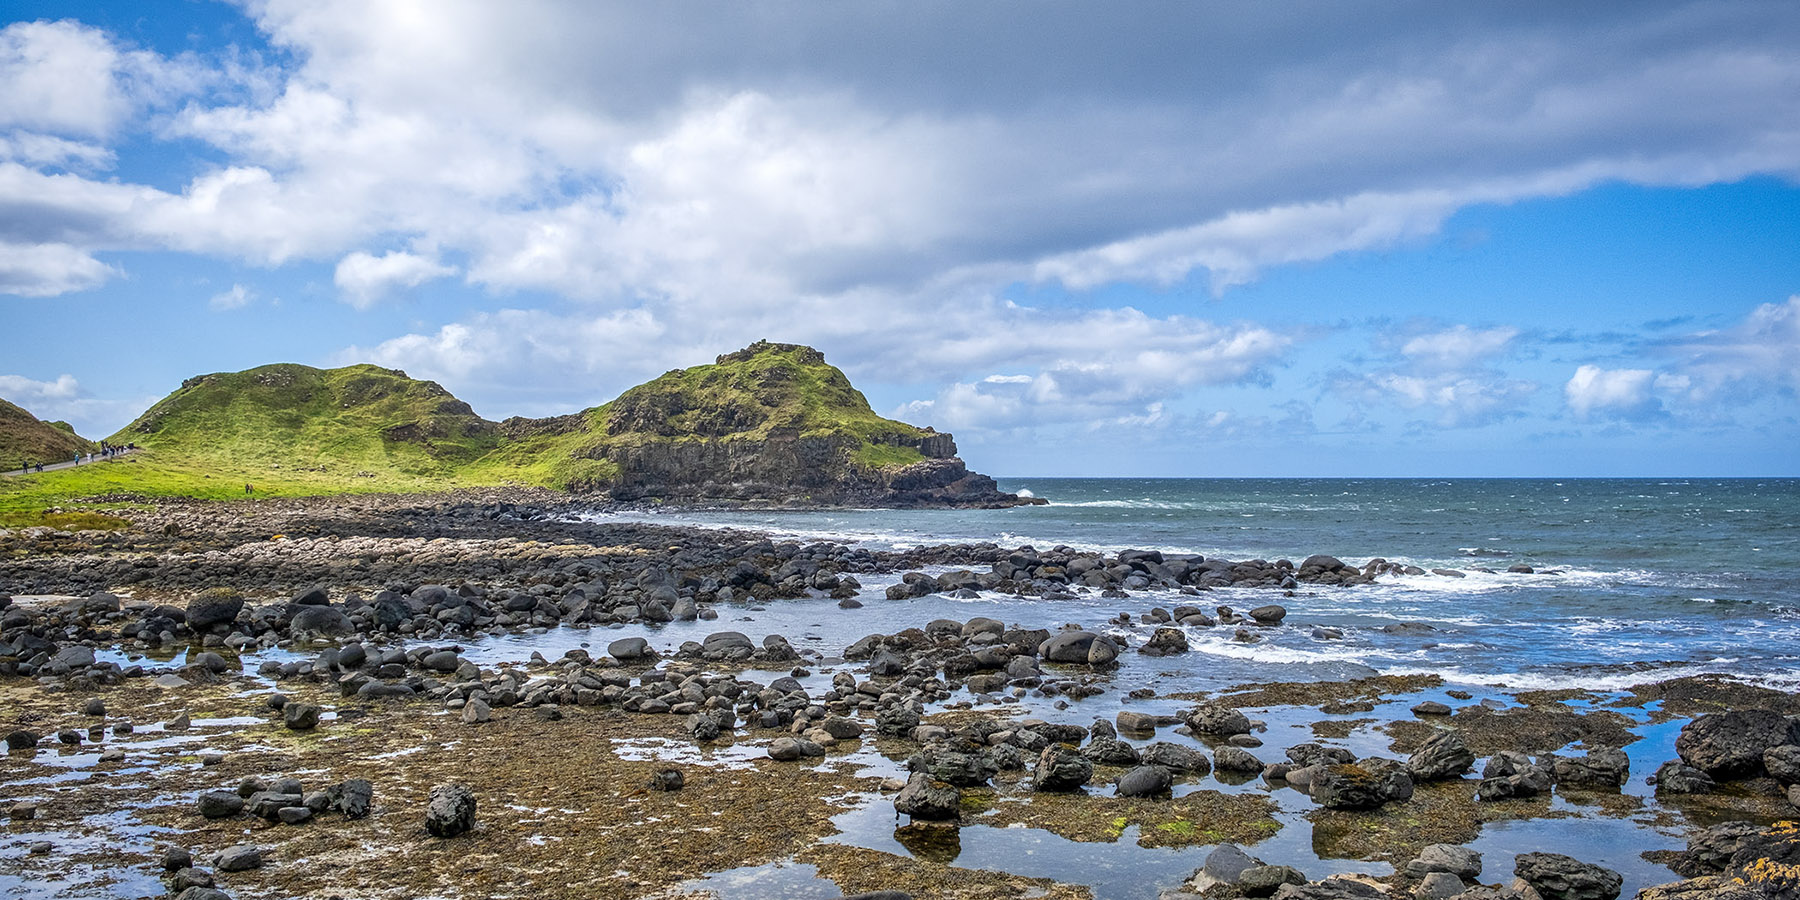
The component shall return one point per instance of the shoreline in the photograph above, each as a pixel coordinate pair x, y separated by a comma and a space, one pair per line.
928, 698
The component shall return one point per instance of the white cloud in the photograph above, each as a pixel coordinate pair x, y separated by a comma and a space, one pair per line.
1705, 375
34, 395
34, 149
365, 279
1458, 347
1622, 393
68, 78
236, 298
49, 269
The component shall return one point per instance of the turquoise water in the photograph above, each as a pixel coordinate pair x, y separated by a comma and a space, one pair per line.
1636, 579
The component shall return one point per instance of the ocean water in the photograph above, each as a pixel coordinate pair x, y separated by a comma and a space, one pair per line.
1637, 580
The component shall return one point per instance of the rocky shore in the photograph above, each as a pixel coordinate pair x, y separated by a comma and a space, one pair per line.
297, 698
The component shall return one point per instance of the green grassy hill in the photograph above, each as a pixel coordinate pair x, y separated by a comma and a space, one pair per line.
766, 394
771, 421
23, 438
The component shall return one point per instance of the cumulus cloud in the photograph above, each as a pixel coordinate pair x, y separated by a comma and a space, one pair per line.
71, 79
49, 269
34, 395
1704, 374
365, 279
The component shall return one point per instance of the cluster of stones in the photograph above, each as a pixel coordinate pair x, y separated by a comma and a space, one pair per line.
1055, 573
186, 881
286, 800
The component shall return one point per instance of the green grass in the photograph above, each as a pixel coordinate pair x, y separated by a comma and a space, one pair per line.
292, 430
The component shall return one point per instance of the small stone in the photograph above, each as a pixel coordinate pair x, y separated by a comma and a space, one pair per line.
177, 858
22, 811
667, 780
300, 716
40, 848
112, 754
211, 757
1431, 708
94, 707
294, 815
1438, 886
219, 804
475, 712
352, 798
239, 858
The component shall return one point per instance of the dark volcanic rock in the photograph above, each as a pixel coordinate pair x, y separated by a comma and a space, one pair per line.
1144, 781
1061, 769
1732, 744
1443, 755
1558, 877
926, 798
451, 810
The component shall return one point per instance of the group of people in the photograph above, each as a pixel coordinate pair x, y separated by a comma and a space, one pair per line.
107, 451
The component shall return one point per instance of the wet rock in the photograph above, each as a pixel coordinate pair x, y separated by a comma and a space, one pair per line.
1136, 722
188, 877
177, 858
22, 739
1604, 766
1359, 785
300, 716
702, 727
1461, 862
1264, 881
326, 620
927, 798
1144, 781
476, 711
1732, 744
451, 810
1268, 615
667, 780
1061, 769
294, 815
1236, 759
1176, 757
1431, 708
1165, 642
1443, 755
789, 749
1558, 877
842, 728
353, 798
239, 858
1711, 887
1070, 646
1219, 720
1109, 751
1225, 865
211, 607
219, 804
1438, 886
955, 767
1783, 763
94, 707
1330, 889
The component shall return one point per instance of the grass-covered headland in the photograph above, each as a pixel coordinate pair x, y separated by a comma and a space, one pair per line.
770, 422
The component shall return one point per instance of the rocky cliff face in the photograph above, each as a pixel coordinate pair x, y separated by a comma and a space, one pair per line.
775, 422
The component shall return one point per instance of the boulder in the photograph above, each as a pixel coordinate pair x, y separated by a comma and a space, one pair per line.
1367, 784
1463, 863
630, 650
1144, 781
1438, 886
1061, 769
1165, 642
300, 716
1268, 615
1604, 766
1218, 720
1558, 877
1443, 755
213, 606
1175, 757
928, 799
1677, 777
451, 810
220, 804
321, 620
1227, 863
353, 798
239, 858
1783, 763
1264, 881
1732, 744
1236, 759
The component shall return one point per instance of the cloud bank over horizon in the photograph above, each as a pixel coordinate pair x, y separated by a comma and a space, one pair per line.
1014, 224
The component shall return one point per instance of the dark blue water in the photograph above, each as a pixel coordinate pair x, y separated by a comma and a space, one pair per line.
1637, 579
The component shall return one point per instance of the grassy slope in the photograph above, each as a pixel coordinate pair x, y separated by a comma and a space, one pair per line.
296, 431
23, 438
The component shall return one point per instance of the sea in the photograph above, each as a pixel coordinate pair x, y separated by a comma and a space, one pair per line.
1632, 581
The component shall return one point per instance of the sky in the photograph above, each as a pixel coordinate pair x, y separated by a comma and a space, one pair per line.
1142, 238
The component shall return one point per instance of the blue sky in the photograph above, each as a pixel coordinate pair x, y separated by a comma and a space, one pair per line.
1146, 239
